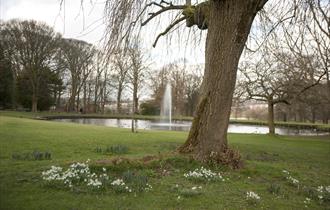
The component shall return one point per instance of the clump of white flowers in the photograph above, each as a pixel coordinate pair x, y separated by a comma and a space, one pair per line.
323, 193
307, 201
79, 174
203, 174
292, 180
323, 189
120, 186
76, 174
148, 187
52, 174
252, 197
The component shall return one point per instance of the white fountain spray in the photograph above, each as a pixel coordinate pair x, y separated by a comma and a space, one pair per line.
167, 104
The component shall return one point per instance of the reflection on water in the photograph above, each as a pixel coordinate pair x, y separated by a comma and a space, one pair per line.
185, 126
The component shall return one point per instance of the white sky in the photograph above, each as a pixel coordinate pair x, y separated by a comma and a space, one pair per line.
72, 22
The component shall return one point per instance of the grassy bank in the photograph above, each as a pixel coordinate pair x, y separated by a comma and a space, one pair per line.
21, 186
56, 115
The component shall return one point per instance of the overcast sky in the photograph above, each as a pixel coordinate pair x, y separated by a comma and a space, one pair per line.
88, 25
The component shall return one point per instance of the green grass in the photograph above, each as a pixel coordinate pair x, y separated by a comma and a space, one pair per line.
307, 158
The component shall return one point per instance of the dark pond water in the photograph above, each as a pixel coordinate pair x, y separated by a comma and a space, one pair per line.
185, 126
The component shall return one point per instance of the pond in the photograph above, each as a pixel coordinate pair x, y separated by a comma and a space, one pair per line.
185, 126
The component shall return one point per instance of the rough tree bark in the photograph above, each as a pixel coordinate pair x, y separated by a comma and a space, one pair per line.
34, 102
271, 124
135, 99
228, 27
120, 89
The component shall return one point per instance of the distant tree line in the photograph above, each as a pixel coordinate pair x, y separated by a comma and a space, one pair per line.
41, 70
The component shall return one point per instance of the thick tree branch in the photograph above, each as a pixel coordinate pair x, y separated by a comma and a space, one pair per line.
312, 85
164, 9
133, 23
168, 29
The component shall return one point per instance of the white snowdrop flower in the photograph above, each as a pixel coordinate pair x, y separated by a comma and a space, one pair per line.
252, 195
320, 197
194, 188
320, 189
203, 174
118, 182
104, 170
327, 188
293, 180
307, 200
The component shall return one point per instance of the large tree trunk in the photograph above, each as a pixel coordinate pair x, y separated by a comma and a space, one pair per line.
34, 102
271, 124
135, 101
119, 99
84, 98
14, 92
72, 99
228, 27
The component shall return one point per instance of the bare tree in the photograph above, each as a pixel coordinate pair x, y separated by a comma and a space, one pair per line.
99, 77
159, 79
120, 75
278, 79
319, 29
138, 71
178, 82
33, 46
193, 82
78, 57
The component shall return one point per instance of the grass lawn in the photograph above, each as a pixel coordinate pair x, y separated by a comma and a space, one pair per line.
21, 186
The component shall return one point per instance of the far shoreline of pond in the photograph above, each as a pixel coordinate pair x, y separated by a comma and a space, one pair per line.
298, 125
70, 115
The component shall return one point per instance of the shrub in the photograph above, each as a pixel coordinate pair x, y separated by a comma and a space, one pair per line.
117, 149
35, 155
252, 197
98, 150
114, 149
138, 182
150, 108
274, 189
